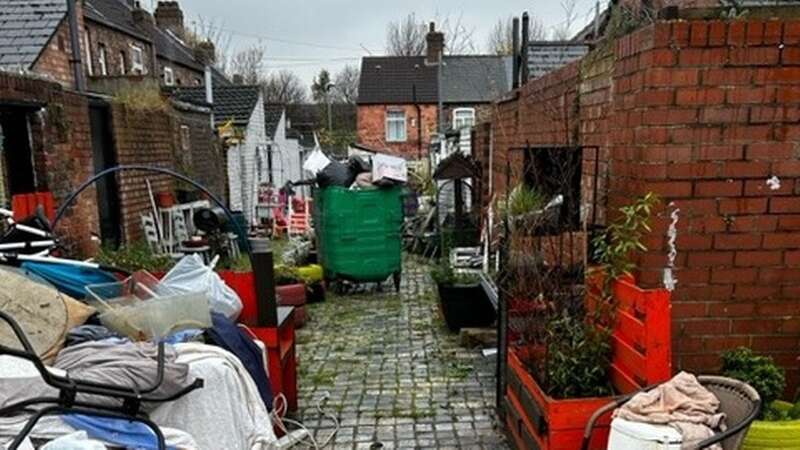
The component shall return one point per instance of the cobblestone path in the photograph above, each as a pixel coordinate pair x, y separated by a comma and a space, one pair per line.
395, 376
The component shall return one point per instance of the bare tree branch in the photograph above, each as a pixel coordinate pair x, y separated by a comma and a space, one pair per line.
563, 31
249, 64
406, 37
346, 81
284, 88
501, 38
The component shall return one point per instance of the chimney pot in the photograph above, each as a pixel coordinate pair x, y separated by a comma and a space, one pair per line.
169, 16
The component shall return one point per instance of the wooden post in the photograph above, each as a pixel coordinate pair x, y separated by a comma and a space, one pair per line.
264, 279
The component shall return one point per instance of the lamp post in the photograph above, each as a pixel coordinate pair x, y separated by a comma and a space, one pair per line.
328, 88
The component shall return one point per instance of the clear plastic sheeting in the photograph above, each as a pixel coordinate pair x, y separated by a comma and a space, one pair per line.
191, 275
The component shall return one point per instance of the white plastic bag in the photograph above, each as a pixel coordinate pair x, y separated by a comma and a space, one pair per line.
191, 275
316, 162
78, 440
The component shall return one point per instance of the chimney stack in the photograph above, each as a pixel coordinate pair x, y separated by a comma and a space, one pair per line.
140, 15
515, 52
205, 53
526, 22
435, 44
169, 17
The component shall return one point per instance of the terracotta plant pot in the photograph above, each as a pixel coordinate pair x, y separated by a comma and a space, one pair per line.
165, 199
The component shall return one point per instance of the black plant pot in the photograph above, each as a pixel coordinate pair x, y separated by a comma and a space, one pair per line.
465, 306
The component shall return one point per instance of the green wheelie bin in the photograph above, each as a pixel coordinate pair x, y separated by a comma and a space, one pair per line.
358, 233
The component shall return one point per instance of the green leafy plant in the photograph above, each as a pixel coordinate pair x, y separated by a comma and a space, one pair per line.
285, 275
579, 355
760, 372
522, 200
133, 257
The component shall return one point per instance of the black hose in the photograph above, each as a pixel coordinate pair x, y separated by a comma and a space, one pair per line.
138, 167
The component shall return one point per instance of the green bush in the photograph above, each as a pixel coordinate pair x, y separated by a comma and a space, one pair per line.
760, 372
579, 355
522, 200
133, 257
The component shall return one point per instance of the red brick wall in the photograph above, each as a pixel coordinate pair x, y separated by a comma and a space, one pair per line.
115, 43
54, 59
141, 137
702, 113
372, 128
183, 76
62, 150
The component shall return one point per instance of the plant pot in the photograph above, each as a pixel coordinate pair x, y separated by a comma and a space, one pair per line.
165, 199
465, 306
294, 295
765, 435
537, 421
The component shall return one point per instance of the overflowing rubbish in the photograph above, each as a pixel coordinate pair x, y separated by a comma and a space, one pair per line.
191, 275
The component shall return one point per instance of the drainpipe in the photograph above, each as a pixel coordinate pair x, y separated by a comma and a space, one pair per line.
210, 92
75, 44
515, 54
419, 120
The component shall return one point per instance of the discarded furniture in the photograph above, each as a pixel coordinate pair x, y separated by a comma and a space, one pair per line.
24, 205
739, 402
69, 388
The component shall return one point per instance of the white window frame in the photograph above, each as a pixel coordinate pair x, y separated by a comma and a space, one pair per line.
137, 59
186, 138
463, 122
169, 76
88, 41
403, 135
102, 59
123, 66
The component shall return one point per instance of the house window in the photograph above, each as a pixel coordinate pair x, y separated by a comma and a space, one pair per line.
463, 118
137, 60
88, 41
102, 59
169, 76
123, 63
186, 138
395, 126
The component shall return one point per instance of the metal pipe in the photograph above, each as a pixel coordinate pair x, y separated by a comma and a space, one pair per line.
526, 22
515, 53
75, 44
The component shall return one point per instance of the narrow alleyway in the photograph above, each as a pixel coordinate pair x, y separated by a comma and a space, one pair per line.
396, 377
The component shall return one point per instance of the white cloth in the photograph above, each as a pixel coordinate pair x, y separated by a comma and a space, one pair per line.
227, 413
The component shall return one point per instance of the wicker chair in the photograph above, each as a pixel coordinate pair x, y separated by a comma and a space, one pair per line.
739, 401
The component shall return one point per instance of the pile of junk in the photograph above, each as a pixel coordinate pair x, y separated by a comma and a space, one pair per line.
94, 357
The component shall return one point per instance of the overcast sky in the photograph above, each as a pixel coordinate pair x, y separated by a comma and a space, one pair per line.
307, 35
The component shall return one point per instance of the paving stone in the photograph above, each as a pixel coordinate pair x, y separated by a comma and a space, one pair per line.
394, 376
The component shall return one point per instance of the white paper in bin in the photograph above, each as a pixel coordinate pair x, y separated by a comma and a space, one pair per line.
316, 161
385, 167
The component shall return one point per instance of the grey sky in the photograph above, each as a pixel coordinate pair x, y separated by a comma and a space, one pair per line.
350, 24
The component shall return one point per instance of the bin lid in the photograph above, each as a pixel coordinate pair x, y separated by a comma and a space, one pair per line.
662, 434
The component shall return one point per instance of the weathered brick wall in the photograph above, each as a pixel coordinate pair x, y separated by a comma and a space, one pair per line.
201, 156
54, 60
702, 113
183, 75
61, 143
141, 137
115, 43
372, 128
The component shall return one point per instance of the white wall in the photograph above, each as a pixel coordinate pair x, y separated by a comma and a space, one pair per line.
286, 156
243, 179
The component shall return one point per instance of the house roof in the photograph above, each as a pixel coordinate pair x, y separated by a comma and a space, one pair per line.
547, 56
465, 79
475, 79
272, 117
25, 29
235, 102
171, 47
393, 79
218, 78
116, 14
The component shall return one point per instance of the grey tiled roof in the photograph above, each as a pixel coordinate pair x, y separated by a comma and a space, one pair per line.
115, 14
169, 46
235, 102
391, 79
475, 79
25, 28
547, 56
465, 79
272, 117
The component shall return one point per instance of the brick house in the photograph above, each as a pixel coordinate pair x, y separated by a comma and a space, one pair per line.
703, 112
399, 95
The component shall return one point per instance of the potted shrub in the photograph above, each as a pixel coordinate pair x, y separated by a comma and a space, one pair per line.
779, 424
462, 301
587, 336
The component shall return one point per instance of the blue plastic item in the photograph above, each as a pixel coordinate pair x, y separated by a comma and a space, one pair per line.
131, 435
70, 280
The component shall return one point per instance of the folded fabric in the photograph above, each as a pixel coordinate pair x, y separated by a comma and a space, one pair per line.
682, 403
228, 412
88, 333
132, 365
131, 435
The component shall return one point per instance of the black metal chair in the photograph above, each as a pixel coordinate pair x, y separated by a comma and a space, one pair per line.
67, 402
738, 400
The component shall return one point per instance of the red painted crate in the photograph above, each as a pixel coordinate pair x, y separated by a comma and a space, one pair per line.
641, 356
